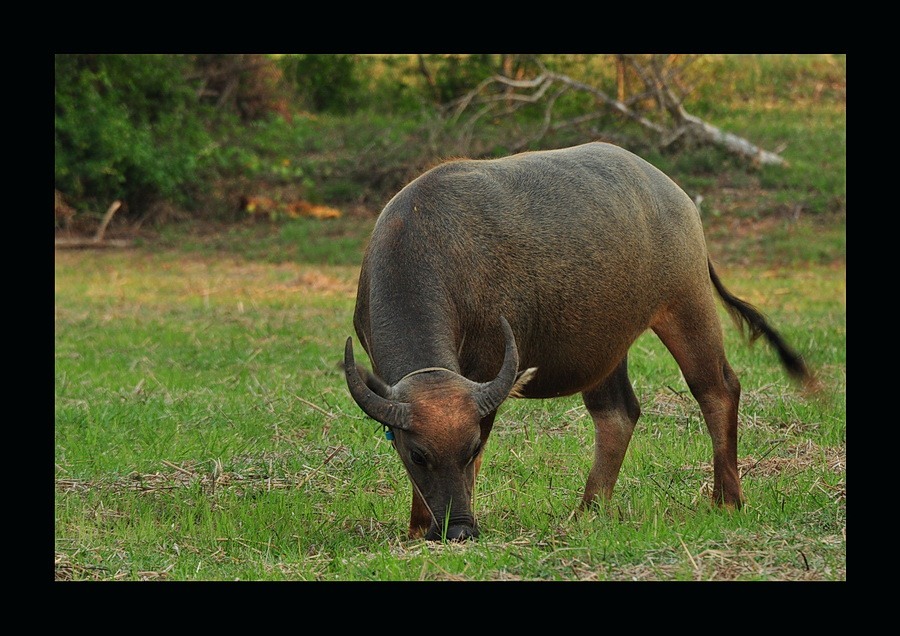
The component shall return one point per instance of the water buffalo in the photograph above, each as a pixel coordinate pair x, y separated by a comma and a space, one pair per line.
531, 276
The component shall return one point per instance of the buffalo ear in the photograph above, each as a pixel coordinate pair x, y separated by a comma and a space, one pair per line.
522, 378
379, 408
373, 381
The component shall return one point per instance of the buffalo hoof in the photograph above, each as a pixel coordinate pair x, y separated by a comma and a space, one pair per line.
454, 533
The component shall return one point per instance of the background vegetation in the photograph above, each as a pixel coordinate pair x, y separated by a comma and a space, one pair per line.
203, 431
194, 136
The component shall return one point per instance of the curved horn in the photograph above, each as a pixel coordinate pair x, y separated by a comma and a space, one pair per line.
388, 412
491, 394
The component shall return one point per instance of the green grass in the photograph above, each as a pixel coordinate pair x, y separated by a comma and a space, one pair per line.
334, 241
204, 432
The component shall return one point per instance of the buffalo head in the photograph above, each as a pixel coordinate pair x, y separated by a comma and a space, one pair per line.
434, 416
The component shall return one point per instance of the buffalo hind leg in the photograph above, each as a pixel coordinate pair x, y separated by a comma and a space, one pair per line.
615, 411
694, 338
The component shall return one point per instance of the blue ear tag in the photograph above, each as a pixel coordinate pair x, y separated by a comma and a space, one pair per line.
388, 434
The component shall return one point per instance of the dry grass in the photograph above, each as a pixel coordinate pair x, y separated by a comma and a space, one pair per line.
189, 474
795, 459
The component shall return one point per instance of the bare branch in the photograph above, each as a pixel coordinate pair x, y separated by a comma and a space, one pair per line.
89, 243
576, 121
238, 67
97, 239
474, 95
106, 219
548, 117
651, 86
660, 75
612, 103
685, 122
537, 81
429, 78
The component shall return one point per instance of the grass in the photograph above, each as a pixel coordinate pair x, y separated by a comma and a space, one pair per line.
335, 242
204, 432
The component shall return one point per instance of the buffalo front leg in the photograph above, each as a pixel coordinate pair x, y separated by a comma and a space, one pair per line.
615, 411
419, 517
694, 337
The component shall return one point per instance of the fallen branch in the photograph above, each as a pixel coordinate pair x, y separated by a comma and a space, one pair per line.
106, 219
97, 240
657, 76
731, 142
82, 243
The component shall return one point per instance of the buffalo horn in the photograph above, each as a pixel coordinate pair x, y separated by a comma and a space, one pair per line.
490, 395
388, 412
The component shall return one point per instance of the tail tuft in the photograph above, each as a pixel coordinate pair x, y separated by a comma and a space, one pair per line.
753, 324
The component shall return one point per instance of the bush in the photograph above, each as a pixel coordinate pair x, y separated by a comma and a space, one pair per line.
127, 127
326, 83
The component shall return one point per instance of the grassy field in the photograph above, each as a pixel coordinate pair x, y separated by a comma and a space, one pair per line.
204, 432
203, 429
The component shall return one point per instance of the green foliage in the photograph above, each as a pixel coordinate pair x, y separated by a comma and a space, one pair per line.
339, 241
327, 83
270, 150
132, 127
396, 85
454, 75
127, 127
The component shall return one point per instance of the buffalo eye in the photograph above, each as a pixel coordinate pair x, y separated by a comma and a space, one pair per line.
417, 458
475, 452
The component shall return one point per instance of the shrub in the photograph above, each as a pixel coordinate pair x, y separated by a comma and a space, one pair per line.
127, 127
327, 83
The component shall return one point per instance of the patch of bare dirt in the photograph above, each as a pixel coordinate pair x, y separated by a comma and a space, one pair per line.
316, 281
